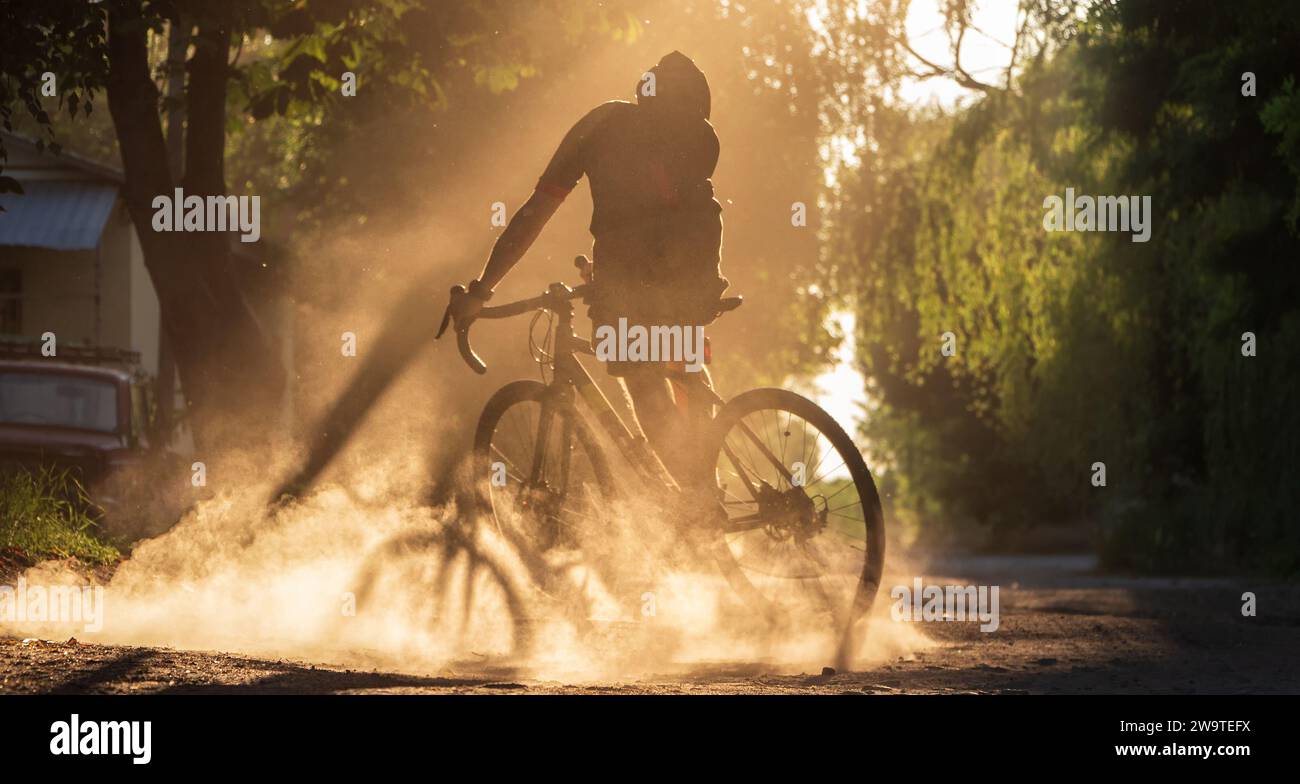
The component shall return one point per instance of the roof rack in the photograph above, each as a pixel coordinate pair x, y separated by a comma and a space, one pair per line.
20, 348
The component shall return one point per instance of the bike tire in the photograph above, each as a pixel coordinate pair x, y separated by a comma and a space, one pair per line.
757, 406
535, 551
519, 393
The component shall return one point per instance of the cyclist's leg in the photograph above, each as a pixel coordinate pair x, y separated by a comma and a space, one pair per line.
673, 429
697, 416
656, 414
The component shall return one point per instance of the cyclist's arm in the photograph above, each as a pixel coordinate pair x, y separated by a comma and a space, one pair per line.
563, 172
518, 236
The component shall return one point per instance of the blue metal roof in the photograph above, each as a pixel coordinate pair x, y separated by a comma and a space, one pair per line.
56, 214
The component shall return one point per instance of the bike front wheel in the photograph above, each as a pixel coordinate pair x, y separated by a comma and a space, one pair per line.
538, 461
545, 482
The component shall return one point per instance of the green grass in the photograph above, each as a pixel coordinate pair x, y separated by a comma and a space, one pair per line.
43, 514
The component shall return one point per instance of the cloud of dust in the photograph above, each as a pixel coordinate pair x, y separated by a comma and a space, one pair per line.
364, 575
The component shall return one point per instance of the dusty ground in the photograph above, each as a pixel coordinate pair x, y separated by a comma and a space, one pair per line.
1063, 629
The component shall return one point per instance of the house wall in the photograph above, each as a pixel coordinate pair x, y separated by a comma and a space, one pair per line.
146, 316
115, 281
58, 292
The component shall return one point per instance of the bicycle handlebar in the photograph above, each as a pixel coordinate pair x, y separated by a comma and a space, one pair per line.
557, 294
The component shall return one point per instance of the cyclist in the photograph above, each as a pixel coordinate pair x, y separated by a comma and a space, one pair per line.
657, 232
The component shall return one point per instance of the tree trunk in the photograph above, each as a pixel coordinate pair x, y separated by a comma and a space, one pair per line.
178, 41
229, 370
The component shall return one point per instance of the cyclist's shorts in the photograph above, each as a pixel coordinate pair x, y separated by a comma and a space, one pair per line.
684, 312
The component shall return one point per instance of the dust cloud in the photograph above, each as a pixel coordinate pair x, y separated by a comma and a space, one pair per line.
368, 576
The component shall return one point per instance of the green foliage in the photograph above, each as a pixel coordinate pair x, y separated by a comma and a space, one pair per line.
43, 514
67, 42
288, 57
68, 45
1083, 347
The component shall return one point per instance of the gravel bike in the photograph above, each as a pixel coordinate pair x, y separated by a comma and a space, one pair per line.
789, 514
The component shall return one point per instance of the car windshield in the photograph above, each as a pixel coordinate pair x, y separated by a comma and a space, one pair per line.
60, 401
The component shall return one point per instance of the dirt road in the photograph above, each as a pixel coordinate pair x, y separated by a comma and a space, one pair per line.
1062, 629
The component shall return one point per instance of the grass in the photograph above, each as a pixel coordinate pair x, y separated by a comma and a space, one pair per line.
44, 514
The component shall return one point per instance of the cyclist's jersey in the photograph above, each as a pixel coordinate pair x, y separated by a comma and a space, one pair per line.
657, 227
639, 171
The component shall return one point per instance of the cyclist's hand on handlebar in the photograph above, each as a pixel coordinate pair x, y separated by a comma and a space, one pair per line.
464, 306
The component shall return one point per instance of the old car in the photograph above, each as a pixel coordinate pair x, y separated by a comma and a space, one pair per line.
87, 419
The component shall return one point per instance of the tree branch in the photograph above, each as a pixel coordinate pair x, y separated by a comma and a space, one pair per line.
957, 75
956, 23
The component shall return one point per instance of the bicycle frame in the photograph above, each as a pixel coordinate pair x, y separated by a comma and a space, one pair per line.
570, 376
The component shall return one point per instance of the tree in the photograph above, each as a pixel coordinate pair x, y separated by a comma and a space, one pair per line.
1076, 347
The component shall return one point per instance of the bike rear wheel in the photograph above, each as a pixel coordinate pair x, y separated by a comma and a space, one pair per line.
804, 525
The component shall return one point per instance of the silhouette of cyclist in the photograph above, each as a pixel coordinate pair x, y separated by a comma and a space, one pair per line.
656, 226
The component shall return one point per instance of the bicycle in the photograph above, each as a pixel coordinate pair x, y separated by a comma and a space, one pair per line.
766, 520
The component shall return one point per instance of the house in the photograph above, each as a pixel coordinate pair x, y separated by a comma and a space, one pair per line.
71, 264
70, 261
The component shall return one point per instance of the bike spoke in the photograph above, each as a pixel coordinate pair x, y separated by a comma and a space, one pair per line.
846, 486
739, 471
762, 447
548, 493
514, 474
828, 472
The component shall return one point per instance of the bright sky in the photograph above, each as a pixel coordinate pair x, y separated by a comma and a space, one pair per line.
984, 54
840, 390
